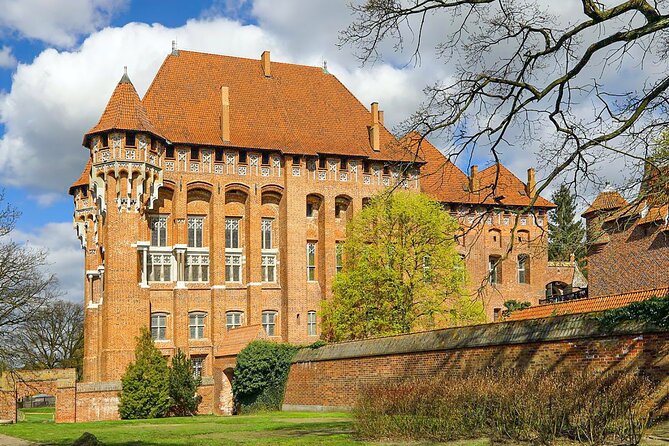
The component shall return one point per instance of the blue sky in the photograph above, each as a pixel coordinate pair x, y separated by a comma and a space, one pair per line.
60, 60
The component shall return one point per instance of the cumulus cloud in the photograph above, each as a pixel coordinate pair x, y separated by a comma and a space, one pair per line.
7, 59
55, 23
65, 257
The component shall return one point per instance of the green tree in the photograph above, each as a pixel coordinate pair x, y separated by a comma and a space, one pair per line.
566, 235
145, 392
401, 271
183, 386
512, 305
260, 375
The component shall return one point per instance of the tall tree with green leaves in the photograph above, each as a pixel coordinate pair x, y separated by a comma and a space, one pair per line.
401, 271
145, 389
566, 234
183, 386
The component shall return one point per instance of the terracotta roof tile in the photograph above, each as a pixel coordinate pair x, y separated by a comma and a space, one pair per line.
447, 183
83, 178
299, 109
589, 305
124, 111
606, 201
238, 338
655, 214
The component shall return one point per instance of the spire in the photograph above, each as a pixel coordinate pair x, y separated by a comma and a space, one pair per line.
124, 111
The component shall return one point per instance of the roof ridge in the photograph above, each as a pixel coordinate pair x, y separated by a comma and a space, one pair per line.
315, 67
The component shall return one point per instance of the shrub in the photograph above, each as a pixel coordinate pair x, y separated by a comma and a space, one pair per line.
260, 375
183, 387
654, 311
145, 384
537, 407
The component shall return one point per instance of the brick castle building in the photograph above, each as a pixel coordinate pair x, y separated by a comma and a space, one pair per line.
213, 210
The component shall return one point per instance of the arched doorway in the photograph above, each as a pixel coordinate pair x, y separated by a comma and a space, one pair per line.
226, 402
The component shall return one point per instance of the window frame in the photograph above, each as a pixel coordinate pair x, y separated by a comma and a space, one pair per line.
311, 262
165, 269
494, 270
234, 324
160, 315
267, 324
522, 269
194, 326
312, 323
193, 221
198, 365
161, 242
339, 256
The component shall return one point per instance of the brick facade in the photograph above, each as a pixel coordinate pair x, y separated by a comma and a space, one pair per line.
328, 378
236, 152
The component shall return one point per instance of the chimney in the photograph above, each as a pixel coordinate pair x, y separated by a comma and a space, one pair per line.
531, 183
374, 130
474, 184
225, 114
266, 64
381, 117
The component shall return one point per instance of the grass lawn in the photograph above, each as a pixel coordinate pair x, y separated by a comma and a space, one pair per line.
284, 428
37, 414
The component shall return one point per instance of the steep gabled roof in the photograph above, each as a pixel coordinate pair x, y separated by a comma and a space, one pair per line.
83, 178
606, 201
589, 305
444, 181
124, 111
299, 109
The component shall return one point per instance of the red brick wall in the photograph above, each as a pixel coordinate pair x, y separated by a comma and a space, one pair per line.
8, 405
334, 383
635, 257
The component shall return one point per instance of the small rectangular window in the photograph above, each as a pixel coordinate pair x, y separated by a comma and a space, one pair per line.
195, 232
158, 326
269, 322
160, 267
268, 265
234, 319
365, 166
242, 157
198, 365
169, 153
196, 325
265, 159
311, 323
310, 210
296, 160
311, 261
194, 153
496, 314
104, 139
494, 269
343, 164
321, 162
218, 155
197, 268
522, 269
233, 267
130, 139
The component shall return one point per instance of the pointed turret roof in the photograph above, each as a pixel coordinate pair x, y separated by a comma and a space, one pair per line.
606, 201
83, 178
124, 111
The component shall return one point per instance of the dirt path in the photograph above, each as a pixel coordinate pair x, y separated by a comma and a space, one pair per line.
11, 441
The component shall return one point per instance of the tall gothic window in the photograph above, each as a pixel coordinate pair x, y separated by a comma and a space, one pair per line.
311, 261
159, 231
267, 233
522, 269
232, 232
233, 254
195, 231
339, 256
494, 269
268, 255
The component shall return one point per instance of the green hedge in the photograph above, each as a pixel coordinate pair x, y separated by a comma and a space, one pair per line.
260, 375
654, 311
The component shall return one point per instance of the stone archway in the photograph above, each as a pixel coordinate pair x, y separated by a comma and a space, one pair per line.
226, 402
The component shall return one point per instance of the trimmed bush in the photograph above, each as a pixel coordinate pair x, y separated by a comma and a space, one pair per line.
539, 408
260, 375
145, 392
654, 311
183, 387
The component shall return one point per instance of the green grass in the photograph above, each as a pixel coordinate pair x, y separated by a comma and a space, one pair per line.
284, 428
37, 414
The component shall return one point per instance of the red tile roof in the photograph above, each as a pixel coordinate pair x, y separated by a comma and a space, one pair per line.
606, 201
124, 111
589, 305
655, 214
299, 109
238, 338
447, 183
83, 178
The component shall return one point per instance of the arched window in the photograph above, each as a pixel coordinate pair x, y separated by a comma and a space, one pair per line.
313, 205
159, 326
234, 319
495, 238
311, 323
196, 325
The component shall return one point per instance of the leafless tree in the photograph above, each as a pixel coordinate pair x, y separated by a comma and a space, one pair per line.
527, 78
53, 337
25, 287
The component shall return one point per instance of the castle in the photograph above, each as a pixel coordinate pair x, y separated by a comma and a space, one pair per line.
213, 210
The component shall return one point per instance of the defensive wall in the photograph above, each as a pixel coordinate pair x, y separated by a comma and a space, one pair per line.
329, 378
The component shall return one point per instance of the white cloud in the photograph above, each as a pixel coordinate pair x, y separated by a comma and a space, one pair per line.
65, 256
54, 22
7, 59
